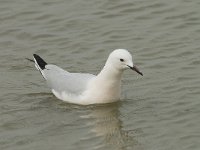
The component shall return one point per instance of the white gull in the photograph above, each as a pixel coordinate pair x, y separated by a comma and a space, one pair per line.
85, 89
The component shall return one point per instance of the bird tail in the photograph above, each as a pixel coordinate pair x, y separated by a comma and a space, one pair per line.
39, 64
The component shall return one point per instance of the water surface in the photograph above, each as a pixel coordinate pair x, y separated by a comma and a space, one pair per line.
159, 111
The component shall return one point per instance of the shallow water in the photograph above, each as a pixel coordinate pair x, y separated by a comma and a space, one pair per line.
159, 111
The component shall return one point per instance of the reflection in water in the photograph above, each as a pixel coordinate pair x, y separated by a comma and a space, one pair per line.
106, 123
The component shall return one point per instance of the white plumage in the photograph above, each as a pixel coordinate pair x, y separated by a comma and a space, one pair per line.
85, 89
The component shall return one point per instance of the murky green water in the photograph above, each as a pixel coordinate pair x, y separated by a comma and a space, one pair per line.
159, 111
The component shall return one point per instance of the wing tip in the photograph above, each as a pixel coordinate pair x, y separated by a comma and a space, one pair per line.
39, 61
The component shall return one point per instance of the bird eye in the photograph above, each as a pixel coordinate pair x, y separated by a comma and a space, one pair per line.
122, 60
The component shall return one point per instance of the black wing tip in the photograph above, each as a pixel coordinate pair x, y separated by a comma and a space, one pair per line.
41, 63
36, 56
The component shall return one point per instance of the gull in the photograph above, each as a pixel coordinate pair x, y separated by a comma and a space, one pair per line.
84, 88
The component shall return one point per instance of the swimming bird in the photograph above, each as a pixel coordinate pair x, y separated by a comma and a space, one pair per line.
86, 89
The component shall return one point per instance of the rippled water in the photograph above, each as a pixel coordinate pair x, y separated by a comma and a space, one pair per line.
159, 111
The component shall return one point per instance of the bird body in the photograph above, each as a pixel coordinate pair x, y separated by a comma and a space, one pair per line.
85, 89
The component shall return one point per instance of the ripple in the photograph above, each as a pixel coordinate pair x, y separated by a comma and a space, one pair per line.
160, 108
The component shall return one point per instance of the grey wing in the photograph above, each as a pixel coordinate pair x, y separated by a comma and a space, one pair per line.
61, 80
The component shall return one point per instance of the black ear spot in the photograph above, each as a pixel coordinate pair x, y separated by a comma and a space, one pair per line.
122, 60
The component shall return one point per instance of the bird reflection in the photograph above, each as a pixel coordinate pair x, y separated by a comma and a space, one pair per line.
105, 122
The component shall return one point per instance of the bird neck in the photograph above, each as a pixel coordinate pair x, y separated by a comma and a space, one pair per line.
110, 73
